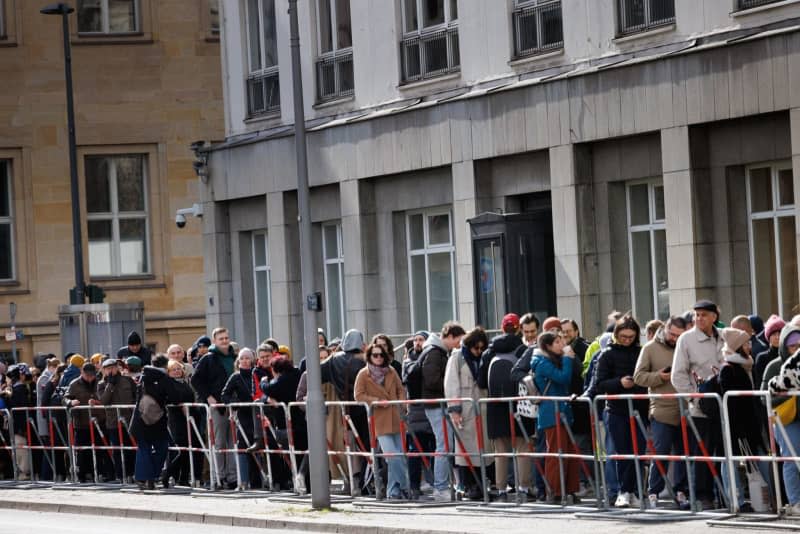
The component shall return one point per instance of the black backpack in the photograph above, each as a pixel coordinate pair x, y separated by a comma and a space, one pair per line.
709, 405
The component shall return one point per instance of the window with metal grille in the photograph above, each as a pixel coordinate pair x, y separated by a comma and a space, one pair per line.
747, 4
263, 83
636, 16
537, 26
430, 39
334, 64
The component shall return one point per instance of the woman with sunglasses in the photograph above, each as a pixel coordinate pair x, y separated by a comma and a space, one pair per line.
379, 382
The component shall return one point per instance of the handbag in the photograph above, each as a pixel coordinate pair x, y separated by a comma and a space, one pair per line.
150, 409
786, 411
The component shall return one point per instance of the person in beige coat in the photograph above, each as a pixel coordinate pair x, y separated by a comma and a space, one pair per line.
653, 372
461, 381
378, 382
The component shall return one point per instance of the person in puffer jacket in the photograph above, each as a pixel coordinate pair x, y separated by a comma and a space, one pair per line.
552, 364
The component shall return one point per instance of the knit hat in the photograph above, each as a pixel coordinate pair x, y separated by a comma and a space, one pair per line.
96, 358
511, 320
774, 324
792, 339
134, 363
283, 349
203, 341
77, 360
550, 323
134, 338
422, 333
757, 323
734, 339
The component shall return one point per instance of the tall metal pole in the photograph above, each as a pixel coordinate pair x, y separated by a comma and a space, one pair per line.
12, 308
77, 243
315, 410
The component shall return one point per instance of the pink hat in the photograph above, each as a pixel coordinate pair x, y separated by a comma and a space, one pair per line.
774, 324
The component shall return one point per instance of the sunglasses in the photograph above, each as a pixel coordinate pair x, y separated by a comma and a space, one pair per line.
378, 354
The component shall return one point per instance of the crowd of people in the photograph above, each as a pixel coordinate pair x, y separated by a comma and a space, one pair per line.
455, 441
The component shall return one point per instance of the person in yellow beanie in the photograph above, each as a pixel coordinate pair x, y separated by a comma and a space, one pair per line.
96, 359
77, 360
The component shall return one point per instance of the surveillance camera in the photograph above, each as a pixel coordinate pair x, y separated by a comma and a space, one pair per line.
180, 216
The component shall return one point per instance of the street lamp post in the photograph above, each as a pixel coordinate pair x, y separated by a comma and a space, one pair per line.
315, 410
77, 294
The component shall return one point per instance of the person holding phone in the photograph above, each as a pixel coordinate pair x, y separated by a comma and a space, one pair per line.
615, 369
652, 371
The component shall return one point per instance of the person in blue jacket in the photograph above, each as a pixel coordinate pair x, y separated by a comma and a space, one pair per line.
552, 365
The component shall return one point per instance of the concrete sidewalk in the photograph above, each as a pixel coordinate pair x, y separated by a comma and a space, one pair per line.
262, 510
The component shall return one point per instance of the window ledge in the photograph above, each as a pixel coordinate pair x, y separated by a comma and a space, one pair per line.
9, 292
212, 38
125, 278
272, 115
129, 287
429, 81
645, 34
533, 58
112, 38
765, 7
5, 42
334, 102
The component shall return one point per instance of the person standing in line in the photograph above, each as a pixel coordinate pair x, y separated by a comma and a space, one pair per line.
376, 382
209, 378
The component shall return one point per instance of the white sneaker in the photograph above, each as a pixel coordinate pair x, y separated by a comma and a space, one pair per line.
793, 509
623, 501
664, 493
300, 484
424, 487
634, 500
441, 495
652, 501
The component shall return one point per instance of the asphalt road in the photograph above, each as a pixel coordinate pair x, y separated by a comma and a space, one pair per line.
17, 522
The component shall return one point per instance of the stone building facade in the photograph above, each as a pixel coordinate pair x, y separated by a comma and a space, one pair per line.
147, 83
654, 144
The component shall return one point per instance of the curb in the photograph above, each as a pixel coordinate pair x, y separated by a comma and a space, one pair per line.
210, 519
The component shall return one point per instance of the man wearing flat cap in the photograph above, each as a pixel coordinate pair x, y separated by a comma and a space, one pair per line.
83, 392
698, 357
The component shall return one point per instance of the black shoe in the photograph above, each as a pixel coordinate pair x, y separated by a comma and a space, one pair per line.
230, 485
165, 482
746, 508
474, 493
258, 445
141, 484
151, 484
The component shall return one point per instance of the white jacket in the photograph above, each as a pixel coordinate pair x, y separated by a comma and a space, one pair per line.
695, 353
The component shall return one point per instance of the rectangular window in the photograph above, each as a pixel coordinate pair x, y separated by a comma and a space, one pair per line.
747, 4
430, 39
537, 27
108, 16
116, 213
261, 285
773, 249
647, 240
333, 254
335, 62
3, 31
431, 269
7, 251
636, 16
263, 87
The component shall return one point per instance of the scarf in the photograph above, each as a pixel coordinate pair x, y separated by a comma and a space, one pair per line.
472, 362
378, 374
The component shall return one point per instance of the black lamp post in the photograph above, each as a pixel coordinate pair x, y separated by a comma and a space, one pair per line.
76, 294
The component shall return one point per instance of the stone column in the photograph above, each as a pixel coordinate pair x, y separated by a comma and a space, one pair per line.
217, 265
464, 207
360, 266
279, 246
566, 238
680, 216
794, 115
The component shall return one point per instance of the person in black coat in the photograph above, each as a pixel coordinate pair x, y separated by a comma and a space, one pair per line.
494, 375
149, 423
282, 390
615, 369
735, 375
178, 465
241, 388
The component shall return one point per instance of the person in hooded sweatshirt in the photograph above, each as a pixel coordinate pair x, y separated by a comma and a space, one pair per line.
435, 353
616, 366
341, 370
788, 381
135, 348
495, 376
